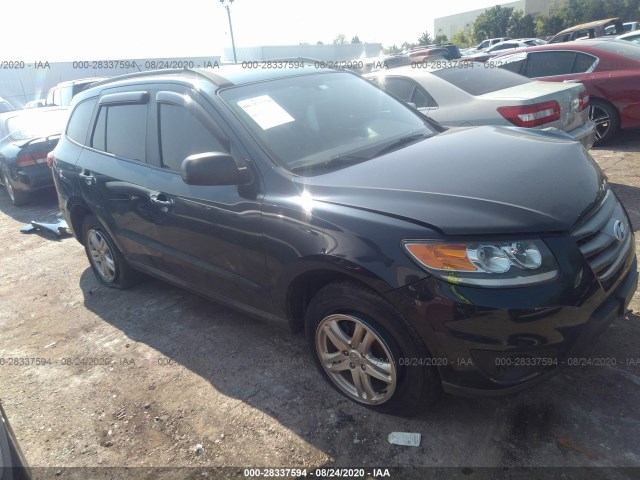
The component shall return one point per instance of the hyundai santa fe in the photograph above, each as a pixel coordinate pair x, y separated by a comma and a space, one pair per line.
415, 259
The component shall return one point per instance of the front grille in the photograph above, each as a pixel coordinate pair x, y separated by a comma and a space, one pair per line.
597, 240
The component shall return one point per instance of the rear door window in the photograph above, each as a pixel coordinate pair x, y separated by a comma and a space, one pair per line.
547, 64
408, 91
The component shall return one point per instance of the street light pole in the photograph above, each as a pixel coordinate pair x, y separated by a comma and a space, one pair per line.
233, 43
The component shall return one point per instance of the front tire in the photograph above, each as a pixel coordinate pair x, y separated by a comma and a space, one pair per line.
363, 347
606, 119
106, 260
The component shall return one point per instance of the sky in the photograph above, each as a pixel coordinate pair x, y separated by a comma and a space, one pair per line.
72, 30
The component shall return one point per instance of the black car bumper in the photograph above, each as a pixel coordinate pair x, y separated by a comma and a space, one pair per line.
32, 178
497, 341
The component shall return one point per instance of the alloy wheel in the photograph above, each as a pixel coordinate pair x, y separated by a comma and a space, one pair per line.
7, 185
356, 359
101, 255
602, 120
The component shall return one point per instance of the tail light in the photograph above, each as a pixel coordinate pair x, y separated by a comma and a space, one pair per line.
27, 159
584, 100
50, 159
531, 115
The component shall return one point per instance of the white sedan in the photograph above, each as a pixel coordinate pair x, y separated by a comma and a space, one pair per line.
472, 93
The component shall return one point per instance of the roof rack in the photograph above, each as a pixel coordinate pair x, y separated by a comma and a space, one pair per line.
148, 73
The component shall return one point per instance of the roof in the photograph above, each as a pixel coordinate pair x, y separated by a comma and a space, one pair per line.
226, 75
584, 26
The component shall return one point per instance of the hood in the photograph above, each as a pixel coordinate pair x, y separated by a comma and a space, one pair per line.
481, 180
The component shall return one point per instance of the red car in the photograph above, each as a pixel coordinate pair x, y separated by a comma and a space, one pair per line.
609, 69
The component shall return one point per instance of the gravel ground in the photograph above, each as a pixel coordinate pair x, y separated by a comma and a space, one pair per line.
140, 378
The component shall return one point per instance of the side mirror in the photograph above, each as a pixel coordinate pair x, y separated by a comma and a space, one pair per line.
212, 168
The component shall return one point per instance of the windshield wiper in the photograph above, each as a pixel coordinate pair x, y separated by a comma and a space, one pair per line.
401, 142
336, 161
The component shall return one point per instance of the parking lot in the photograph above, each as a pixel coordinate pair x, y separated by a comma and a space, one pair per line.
142, 377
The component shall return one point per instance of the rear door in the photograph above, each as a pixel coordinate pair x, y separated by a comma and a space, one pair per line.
113, 172
210, 236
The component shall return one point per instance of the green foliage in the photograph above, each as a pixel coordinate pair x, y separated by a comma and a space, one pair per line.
392, 49
356, 40
425, 39
521, 26
340, 40
574, 12
441, 39
462, 39
493, 22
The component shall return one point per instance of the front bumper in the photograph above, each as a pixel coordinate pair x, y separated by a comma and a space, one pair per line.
497, 341
585, 134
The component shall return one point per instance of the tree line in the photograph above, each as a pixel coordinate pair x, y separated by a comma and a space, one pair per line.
503, 21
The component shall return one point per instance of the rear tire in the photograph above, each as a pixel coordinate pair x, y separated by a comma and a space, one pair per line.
17, 197
106, 260
606, 119
363, 347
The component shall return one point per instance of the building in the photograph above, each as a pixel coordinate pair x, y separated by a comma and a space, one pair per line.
451, 24
327, 53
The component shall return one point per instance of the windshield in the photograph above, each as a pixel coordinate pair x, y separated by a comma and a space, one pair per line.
324, 121
35, 124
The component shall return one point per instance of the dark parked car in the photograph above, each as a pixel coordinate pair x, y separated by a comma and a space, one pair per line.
13, 465
610, 70
62, 93
26, 136
413, 258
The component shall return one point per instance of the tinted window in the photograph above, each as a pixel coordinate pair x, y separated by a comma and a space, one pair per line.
582, 63
512, 63
407, 90
546, 64
121, 130
79, 121
399, 87
421, 99
100, 130
478, 81
181, 135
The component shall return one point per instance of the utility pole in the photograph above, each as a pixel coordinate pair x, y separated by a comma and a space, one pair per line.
226, 4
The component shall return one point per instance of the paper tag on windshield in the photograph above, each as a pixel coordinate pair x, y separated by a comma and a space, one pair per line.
265, 111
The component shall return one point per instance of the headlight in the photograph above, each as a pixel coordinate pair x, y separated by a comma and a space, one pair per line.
488, 264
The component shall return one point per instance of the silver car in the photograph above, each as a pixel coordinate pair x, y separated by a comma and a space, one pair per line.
472, 93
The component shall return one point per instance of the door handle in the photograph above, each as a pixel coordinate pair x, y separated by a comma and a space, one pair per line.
87, 176
161, 200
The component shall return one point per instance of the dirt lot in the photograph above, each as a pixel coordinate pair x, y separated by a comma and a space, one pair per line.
171, 370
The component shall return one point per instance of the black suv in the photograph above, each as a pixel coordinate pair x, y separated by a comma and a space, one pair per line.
475, 259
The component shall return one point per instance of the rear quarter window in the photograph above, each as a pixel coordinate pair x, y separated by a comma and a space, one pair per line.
79, 121
480, 80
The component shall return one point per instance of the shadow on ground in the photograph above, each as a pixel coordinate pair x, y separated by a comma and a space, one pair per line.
566, 421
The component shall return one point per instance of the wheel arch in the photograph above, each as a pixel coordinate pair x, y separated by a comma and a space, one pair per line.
310, 276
